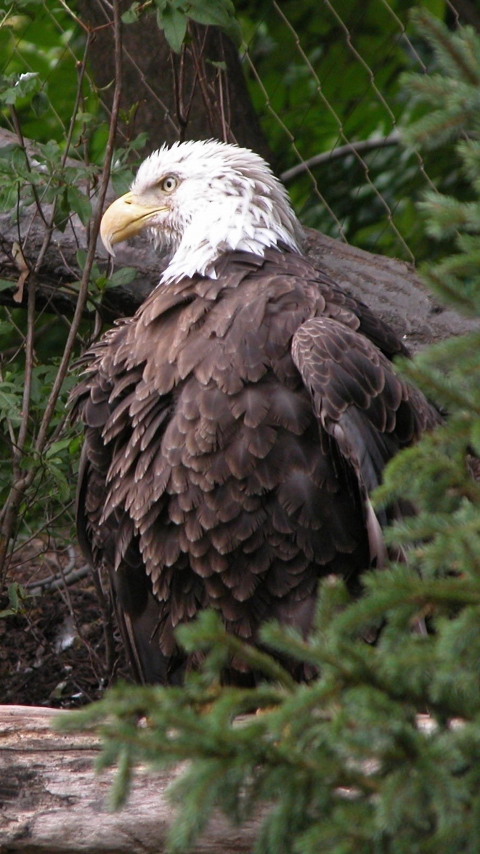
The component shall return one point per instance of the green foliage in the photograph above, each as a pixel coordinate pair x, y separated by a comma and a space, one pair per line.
449, 371
308, 106
50, 182
303, 103
173, 17
16, 595
452, 94
53, 467
45, 94
39, 47
379, 753
454, 102
348, 763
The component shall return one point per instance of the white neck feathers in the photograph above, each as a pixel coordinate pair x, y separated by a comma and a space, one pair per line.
227, 199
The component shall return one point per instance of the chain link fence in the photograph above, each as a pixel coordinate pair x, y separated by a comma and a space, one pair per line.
325, 82
361, 185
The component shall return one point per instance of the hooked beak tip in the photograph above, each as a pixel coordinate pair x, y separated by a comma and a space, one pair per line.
107, 244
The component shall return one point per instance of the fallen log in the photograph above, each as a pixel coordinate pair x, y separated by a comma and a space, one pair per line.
392, 288
53, 802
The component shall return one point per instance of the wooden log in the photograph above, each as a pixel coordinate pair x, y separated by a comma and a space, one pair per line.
392, 288
53, 802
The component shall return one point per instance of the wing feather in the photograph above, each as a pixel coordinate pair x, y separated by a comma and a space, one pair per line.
358, 398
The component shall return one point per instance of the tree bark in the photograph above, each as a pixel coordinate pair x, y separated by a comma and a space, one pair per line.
198, 94
53, 802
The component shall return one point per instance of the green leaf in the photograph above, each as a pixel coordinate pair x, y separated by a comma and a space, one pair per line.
7, 151
220, 64
216, 13
62, 210
132, 14
16, 595
475, 435
122, 277
5, 284
24, 85
81, 257
100, 282
10, 402
139, 142
57, 447
75, 446
173, 22
80, 203
61, 481
121, 181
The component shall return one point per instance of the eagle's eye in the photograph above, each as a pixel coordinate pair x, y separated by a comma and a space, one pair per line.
168, 184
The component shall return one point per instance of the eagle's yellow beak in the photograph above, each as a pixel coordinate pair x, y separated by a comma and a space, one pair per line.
125, 218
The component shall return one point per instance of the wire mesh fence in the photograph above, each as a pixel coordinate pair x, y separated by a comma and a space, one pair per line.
325, 80
353, 178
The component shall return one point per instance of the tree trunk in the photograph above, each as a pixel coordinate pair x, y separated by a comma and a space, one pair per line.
53, 802
198, 94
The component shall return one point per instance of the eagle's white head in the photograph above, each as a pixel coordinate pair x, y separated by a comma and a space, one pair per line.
200, 199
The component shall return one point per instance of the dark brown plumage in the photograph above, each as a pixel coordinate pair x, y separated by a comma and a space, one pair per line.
234, 429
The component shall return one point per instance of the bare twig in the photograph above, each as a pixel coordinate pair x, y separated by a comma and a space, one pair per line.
466, 10
27, 387
51, 223
94, 231
106, 607
21, 141
360, 147
53, 582
21, 484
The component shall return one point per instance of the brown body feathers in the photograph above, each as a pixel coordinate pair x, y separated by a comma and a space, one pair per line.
234, 429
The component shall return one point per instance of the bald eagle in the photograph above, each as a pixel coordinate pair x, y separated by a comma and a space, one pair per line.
237, 424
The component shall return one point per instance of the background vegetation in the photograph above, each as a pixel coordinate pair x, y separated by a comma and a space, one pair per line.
349, 763
291, 58
380, 753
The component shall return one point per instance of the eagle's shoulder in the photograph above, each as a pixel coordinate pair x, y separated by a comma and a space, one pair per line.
328, 298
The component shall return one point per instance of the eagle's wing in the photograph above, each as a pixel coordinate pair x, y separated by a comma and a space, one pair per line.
105, 532
361, 403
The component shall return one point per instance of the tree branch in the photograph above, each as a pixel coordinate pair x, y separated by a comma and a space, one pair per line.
361, 147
